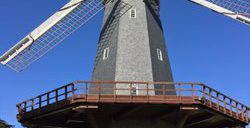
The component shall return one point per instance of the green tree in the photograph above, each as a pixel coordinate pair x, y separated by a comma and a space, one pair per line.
3, 124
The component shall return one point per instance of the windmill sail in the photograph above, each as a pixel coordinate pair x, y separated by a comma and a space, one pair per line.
236, 9
50, 33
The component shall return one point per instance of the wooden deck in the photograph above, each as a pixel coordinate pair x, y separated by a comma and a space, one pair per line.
195, 97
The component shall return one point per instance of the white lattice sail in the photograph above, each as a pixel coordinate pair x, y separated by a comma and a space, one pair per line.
50, 33
236, 9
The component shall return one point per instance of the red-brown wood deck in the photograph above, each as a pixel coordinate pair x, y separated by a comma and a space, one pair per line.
190, 96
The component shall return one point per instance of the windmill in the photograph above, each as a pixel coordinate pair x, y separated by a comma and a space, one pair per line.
77, 12
131, 45
126, 29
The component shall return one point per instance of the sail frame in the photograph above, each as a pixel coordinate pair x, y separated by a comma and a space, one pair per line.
236, 9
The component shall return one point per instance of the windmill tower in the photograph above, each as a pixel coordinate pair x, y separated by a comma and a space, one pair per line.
132, 83
132, 45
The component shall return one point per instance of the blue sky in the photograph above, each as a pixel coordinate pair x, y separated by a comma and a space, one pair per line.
203, 47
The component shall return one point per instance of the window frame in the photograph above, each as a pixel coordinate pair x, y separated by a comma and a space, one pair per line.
159, 54
105, 53
134, 90
133, 13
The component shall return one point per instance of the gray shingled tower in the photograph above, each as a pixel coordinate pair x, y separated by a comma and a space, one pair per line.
132, 45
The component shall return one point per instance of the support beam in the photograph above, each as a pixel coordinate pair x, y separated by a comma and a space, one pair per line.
126, 112
84, 107
204, 123
166, 113
92, 120
77, 118
182, 122
198, 117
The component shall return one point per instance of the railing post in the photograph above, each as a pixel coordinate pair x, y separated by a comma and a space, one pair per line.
247, 120
231, 107
115, 91
66, 92
164, 90
32, 106
19, 107
147, 93
56, 96
237, 110
25, 107
40, 101
99, 92
204, 92
86, 90
242, 113
192, 90
48, 98
210, 97
73, 91
225, 104
179, 90
218, 101
130, 91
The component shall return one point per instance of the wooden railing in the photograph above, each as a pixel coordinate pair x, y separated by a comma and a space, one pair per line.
206, 95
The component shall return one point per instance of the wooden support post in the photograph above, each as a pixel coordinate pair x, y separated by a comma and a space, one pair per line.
25, 107
242, 112
130, 91
114, 92
72, 92
179, 90
147, 93
218, 101
225, 104
40, 101
237, 110
86, 91
99, 93
231, 107
182, 121
56, 96
247, 119
164, 90
19, 107
204, 93
192, 90
66, 92
210, 97
32, 104
73, 89
48, 98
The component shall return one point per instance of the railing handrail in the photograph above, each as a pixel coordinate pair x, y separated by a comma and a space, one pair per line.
225, 96
46, 93
207, 92
116, 82
137, 82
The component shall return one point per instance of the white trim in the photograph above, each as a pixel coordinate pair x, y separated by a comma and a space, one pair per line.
39, 31
133, 13
223, 11
159, 54
105, 53
13, 52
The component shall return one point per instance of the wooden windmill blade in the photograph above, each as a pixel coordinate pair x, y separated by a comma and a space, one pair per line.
50, 33
236, 9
